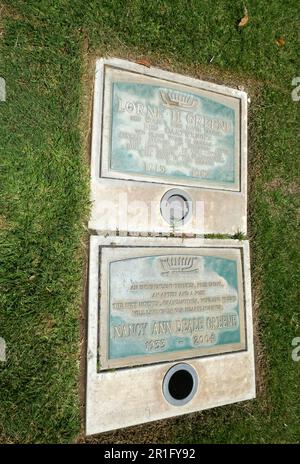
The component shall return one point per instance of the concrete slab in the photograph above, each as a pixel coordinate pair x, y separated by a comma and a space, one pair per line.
154, 131
169, 328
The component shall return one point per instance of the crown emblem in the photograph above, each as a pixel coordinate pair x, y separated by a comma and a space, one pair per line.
179, 264
179, 100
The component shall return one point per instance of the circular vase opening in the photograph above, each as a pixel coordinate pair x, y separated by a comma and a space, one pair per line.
176, 207
180, 384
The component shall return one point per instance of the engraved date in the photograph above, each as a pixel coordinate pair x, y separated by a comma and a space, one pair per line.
204, 339
155, 345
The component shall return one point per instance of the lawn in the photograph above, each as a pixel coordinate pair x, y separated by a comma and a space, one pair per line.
47, 51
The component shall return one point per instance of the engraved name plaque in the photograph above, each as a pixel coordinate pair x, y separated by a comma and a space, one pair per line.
164, 304
170, 133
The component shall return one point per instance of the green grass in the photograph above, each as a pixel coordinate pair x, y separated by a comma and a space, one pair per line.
44, 197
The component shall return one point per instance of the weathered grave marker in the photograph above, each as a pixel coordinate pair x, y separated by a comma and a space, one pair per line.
157, 303
153, 131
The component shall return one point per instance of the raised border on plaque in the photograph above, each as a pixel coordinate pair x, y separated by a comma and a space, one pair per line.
127, 337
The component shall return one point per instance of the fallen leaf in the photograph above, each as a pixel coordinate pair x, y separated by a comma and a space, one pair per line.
144, 62
280, 41
244, 21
